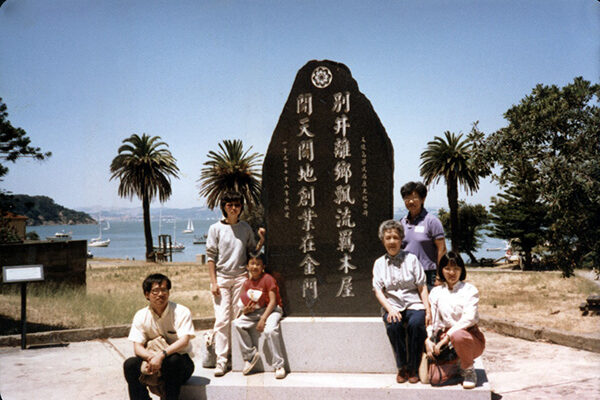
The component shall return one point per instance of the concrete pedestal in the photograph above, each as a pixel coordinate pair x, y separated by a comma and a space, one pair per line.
331, 344
328, 358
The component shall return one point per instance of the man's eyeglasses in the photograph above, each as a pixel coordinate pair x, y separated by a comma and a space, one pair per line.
157, 291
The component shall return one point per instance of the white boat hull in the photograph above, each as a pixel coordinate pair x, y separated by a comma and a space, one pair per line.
59, 237
99, 243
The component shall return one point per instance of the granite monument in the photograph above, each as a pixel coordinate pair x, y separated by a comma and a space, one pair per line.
327, 185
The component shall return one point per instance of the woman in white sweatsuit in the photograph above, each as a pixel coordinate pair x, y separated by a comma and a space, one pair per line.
226, 249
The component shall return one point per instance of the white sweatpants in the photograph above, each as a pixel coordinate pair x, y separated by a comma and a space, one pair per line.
271, 332
226, 310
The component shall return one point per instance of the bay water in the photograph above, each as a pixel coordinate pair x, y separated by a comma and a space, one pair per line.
127, 238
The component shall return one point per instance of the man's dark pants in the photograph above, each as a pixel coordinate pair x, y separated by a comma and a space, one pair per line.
176, 369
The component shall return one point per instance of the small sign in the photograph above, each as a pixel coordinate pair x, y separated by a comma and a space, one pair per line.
23, 273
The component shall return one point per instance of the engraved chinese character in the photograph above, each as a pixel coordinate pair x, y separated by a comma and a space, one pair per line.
308, 243
344, 218
304, 103
342, 195
307, 196
305, 150
306, 217
309, 265
307, 174
304, 128
346, 263
345, 287
309, 288
342, 171
340, 100
341, 123
341, 148
345, 240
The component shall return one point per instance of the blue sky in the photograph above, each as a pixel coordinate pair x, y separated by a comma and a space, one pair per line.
81, 76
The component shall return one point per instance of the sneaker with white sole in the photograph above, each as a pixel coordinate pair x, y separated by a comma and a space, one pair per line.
248, 365
469, 378
280, 373
220, 370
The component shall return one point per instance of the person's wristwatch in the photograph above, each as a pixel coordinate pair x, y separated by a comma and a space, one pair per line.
165, 353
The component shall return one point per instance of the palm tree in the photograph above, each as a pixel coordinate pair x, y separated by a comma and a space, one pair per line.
231, 169
450, 159
144, 168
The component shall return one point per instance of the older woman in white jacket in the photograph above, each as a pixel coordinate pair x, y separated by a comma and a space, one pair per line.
454, 312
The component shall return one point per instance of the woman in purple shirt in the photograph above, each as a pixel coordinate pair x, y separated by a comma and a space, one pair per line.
423, 231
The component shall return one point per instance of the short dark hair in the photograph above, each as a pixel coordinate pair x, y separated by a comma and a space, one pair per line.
229, 197
257, 255
155, 278
452, 257
410, 187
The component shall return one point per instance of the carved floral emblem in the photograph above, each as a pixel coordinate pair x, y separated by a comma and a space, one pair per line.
321, 77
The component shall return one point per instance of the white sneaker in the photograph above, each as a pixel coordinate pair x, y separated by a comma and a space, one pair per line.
469, 378
280, 373
220, 370
248, 365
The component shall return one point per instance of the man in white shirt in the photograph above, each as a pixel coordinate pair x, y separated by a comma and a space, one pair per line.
174, 323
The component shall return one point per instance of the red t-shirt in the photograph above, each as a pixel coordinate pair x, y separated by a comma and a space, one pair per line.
259, 289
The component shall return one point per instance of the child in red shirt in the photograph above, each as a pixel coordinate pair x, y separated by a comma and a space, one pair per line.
263, 310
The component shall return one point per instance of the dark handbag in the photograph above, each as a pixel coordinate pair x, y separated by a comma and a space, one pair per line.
443, 369
447, 353
443, 373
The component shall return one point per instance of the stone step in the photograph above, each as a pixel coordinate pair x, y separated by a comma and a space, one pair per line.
328, 344
330, 386
327, 358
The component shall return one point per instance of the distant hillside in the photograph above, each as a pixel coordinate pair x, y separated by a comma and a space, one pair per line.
42, 210
135, 213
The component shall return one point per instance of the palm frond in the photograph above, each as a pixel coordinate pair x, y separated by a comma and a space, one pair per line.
449, 158
231, 168
144, 166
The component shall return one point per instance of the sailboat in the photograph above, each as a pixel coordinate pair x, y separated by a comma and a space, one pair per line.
98, 242
190, 227
176, 246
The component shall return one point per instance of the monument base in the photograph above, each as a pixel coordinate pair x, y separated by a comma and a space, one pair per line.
327, 344
329, 358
